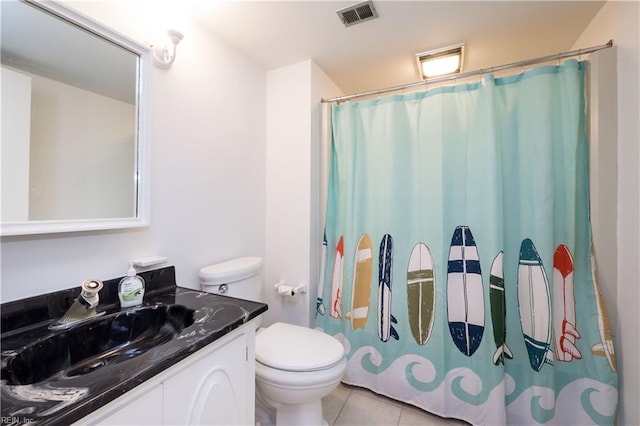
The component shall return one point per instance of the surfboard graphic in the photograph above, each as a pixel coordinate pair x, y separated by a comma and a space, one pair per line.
498, 310
361, 289
605, 346
335, 307
534, 305
421, 296
320, 309
385, 266
465, 298
564, 306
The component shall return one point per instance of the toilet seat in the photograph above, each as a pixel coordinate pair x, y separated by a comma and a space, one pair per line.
295, 348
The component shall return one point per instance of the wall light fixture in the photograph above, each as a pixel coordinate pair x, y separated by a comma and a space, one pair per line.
162, 57
443, 61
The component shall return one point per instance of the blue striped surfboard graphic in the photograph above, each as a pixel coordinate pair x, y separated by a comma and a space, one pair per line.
385, 273
465, 293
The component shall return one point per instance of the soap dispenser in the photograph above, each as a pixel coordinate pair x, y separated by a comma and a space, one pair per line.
131, 289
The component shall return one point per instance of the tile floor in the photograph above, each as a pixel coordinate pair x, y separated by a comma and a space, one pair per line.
351, 405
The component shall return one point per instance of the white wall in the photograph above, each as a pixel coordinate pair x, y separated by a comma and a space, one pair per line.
207, 173
292, 209
288, 199
619, 21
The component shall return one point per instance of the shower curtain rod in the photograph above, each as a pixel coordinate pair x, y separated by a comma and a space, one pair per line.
481, 71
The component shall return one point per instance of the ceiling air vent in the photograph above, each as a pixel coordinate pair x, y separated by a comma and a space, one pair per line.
357, 13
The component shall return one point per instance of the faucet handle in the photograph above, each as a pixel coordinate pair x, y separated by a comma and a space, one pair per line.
90, 289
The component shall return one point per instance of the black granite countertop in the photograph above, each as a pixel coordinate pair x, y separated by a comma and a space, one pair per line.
134, 344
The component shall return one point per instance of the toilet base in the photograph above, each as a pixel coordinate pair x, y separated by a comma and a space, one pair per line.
265, 413
288, 414
309, 414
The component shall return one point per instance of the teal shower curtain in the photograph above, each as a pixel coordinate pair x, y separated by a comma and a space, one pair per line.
458, 270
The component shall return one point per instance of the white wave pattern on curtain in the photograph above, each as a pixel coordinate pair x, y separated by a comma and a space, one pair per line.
458, 274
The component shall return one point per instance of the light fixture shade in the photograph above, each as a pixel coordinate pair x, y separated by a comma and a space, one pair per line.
443, 61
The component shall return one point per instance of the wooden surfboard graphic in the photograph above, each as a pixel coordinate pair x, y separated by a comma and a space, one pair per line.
335, 307
465, 295
605, 346
421, 296
320, 309
498, 310
361, 289
385, 274
564, 306
534, 304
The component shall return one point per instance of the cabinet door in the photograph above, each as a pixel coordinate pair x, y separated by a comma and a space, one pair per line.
141, 407
212, 390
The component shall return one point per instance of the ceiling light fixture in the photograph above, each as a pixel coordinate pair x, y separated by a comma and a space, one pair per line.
443, 61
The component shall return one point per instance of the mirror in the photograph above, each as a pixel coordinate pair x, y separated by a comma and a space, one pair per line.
73, 122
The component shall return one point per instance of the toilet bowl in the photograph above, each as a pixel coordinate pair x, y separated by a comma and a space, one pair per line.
295, 368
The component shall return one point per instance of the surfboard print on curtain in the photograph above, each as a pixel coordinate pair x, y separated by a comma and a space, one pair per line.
498, 310
385, 274
564, 306
421, 295
605, 346
361, 289
335, 307
465, 292
320, 309
534, 304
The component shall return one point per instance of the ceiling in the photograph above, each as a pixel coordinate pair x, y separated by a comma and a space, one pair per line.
367, 56
380, 53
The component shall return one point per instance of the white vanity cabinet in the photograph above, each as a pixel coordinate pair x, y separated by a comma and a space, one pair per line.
214, 389
214, 385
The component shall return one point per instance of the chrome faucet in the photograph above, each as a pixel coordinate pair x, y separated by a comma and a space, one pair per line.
83, 307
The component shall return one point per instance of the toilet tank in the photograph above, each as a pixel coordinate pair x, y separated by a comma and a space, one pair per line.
236, 278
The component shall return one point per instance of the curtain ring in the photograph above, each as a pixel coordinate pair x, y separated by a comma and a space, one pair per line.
521, 67
579, 55
558, 60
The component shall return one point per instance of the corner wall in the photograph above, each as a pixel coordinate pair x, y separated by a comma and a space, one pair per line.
293, 187
619, 20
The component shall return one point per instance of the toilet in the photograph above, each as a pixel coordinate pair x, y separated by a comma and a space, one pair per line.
295, 366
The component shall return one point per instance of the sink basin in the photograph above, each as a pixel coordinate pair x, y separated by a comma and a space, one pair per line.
88, 346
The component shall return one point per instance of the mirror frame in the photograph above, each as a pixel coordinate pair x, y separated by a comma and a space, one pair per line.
141, 178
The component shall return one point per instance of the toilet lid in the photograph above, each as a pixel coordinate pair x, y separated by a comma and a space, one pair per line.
231, 270
295, 348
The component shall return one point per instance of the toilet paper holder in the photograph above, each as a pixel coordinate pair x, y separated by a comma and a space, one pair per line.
284, 290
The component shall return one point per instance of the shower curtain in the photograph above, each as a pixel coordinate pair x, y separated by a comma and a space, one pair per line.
458, 271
